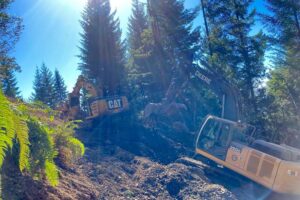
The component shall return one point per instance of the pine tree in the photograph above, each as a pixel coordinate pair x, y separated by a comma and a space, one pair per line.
137, 25
37, 87
175, 39
60, 89
282, 118
102, 51
8, 82
233, 50
139, 66
284, 22
47, 86
9, 85
10, 30
43, 86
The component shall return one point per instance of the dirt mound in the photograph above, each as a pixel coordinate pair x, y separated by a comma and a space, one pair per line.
112, 173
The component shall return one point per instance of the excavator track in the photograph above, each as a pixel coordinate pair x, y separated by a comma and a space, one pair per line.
244, 188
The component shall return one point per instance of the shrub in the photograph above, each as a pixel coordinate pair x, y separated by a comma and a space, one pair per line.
43, 152
33, 137
70, 148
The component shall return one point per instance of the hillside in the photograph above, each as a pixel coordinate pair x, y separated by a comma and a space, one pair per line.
108, 171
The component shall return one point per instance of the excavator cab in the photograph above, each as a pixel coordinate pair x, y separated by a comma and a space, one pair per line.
231, 144
216, 136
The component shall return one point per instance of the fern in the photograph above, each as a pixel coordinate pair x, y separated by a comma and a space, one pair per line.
43, 151
13, 126
6, 124
51, 173
64, 139
23, 140
76, 146
37, 141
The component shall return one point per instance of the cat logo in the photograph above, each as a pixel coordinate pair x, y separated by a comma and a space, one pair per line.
114, 104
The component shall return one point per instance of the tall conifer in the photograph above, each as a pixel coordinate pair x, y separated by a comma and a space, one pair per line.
102, 51
233, 49
43, 86
175, 40
60, 89
9, 84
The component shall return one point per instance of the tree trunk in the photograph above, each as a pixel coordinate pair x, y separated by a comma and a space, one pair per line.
246, 59
206, 27
297, 22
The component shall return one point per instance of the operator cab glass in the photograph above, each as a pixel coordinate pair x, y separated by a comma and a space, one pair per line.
217, 134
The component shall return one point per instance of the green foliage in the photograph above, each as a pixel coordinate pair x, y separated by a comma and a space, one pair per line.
13, 126
23, 142
160, 48
76, 146
283, 23
174, 38
10, 29
9, 84
102, 50
233, 49
43, 86
43, 151
36, 141
60, 89
51, 173
141, 72
282, 119
65, 140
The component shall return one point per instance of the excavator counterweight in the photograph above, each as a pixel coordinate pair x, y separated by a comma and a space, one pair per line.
98, 104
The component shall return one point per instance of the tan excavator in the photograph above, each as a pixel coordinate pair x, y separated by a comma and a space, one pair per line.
232, 144
98, 104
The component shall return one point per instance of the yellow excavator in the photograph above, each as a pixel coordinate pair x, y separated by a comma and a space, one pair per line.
232, 144
98, 104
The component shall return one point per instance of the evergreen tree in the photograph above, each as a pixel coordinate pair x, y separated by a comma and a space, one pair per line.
140, 74
60, 89
9, 85
37, 87
10, 29
137, 25
47, 86
232, 50
175, 40
282, 118
283, 22
102, 51
43, 86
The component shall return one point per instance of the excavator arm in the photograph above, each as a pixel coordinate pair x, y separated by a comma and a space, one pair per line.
226, 92
207, 76
72, 106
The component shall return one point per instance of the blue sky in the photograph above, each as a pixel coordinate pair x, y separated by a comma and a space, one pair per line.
51, 35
